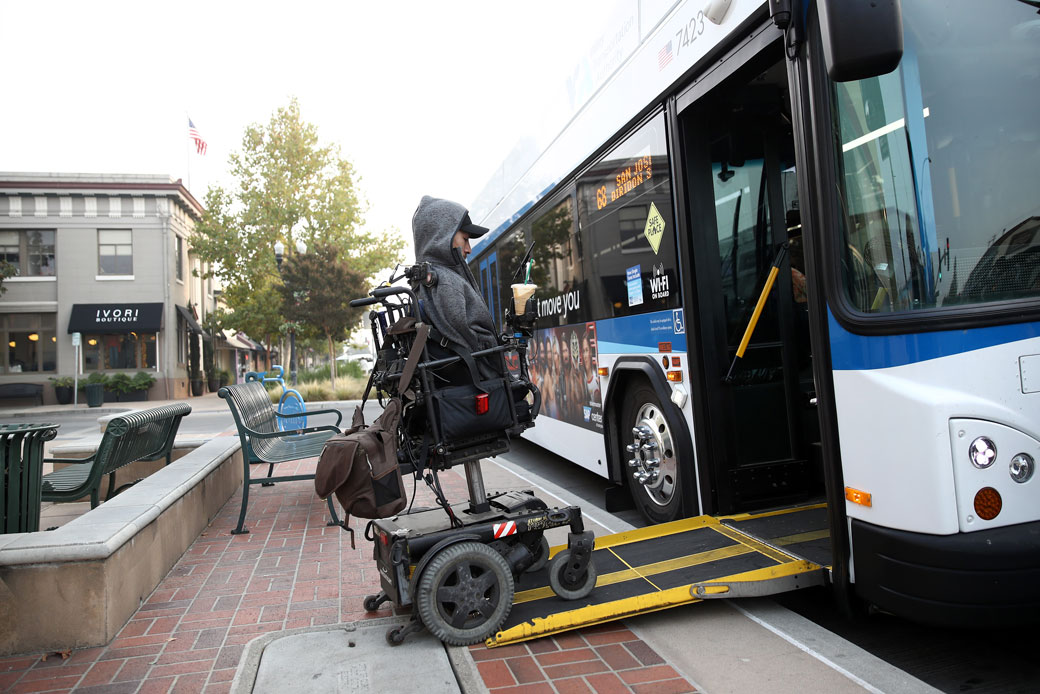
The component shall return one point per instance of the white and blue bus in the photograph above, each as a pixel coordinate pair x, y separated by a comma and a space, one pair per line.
893, 377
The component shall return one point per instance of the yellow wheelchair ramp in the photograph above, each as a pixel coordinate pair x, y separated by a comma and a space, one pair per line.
672, 564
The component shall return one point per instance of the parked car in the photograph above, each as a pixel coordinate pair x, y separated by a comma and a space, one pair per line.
365, 359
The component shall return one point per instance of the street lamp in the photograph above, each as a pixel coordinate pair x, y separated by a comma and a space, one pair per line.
279, 255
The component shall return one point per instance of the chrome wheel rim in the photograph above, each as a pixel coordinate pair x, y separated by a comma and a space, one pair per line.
660, 478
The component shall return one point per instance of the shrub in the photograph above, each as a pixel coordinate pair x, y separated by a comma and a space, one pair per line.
142, 380
353, 389
351, 369
119, 383
316, 392
346, 389
62, 381
318, 373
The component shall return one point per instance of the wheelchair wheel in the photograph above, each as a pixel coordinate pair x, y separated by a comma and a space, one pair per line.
291, 403
372, 602
465, 593
541, 557
570, 590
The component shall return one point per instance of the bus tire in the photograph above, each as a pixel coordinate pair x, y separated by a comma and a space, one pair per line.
655, 486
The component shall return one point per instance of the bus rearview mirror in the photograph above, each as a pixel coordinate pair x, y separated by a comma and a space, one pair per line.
860, 39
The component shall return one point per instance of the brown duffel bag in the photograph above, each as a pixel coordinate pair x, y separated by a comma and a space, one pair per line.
360, 466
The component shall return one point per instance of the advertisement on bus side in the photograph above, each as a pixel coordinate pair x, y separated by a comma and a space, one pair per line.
563, 363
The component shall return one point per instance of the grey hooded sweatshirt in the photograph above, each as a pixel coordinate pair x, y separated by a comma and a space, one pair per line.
454, 306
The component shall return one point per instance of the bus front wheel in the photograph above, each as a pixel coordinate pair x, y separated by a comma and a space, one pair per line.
651, 468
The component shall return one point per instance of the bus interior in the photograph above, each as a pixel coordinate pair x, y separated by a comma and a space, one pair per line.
763, 434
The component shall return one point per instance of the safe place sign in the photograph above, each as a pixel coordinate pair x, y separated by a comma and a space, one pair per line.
654, 230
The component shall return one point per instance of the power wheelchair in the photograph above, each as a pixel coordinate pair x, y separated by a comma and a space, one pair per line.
457, 564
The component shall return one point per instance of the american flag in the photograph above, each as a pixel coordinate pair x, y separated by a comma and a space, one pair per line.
194, 136
664, 56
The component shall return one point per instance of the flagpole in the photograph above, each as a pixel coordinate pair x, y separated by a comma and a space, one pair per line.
187, 145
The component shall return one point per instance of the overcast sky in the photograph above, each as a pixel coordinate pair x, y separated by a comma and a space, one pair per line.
422, 97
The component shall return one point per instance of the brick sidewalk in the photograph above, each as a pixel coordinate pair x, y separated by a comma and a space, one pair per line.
605, 659
293, 571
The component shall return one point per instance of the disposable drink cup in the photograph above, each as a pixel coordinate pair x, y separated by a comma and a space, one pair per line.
521, 293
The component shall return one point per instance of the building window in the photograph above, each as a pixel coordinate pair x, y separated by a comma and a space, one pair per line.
30, 252
115, 252
179, 250
119, 351
182, 341
32, 344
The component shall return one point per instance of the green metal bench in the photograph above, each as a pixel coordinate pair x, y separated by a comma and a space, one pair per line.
21, 469
142, 435
262, 441
22, 390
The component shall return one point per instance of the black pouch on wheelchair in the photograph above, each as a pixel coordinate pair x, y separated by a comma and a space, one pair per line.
466, 411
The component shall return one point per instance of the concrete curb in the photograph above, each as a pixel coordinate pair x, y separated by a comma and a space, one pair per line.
466, 672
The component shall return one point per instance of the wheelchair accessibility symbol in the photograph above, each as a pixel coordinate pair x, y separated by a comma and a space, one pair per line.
678, 324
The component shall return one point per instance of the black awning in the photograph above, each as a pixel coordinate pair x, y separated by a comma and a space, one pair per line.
99, 319
189, 319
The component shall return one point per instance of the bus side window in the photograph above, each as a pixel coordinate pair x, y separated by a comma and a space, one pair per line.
628, 228
510, 251
558, 267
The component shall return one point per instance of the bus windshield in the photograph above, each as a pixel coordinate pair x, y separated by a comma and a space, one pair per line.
938, 163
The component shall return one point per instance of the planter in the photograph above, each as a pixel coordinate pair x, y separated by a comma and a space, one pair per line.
196, 387
63, 394
95, 394
110, 395
213, 384
134, 396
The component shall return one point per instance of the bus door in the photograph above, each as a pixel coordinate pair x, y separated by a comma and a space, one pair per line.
738, 152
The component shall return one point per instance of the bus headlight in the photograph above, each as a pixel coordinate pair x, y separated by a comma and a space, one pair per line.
1022, 467
982, 452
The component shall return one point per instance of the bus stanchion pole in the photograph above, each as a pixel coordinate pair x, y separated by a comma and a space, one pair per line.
768, 287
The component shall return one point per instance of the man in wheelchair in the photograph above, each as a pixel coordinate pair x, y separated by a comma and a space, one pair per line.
440, 353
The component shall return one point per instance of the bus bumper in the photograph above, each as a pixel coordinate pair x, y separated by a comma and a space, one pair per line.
988, 578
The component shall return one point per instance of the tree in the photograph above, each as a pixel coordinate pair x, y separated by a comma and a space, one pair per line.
6, 270
331, 282
552, 236
288, 187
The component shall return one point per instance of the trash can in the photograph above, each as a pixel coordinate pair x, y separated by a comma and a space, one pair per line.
95, 394
21, 475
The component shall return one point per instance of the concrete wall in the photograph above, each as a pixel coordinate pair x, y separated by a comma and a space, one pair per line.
78, 585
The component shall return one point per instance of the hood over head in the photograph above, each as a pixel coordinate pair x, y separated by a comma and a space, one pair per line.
434, 225
454, 305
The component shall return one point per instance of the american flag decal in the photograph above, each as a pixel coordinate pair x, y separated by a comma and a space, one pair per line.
504, 529
664, 56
